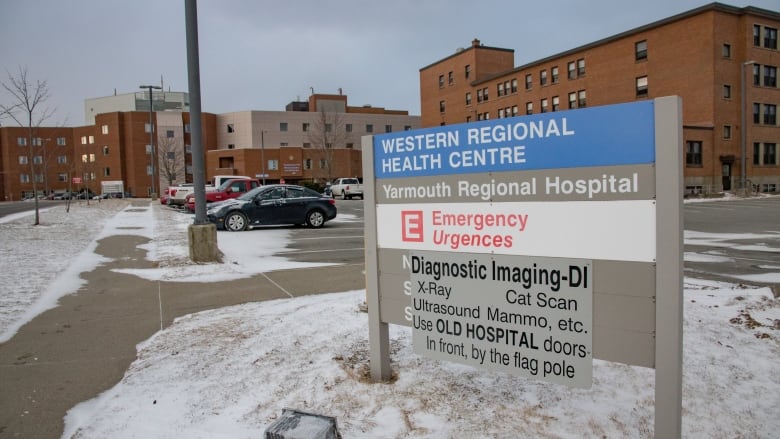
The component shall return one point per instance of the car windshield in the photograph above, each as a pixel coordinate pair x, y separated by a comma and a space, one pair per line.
224, 186
251, 194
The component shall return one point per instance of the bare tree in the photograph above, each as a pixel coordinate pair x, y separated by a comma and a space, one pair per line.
170, 159
26, 98
327, 133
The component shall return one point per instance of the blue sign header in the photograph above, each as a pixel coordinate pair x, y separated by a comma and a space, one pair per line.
620, 134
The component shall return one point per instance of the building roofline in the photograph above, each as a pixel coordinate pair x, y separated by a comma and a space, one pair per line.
720, 7
461, 50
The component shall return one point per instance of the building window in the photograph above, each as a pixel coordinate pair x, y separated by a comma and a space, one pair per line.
348, 127
37, 160
770, 114
572, 70
727, 91
554, 75
727, 50
104, 129
91, 140
441, 81
485, 93
770, 154
640, 50
188, 149
323, 163
529, 108
544, 105
148, 170
21, 141
770, 76
388, 128
479, 95
169, 134
186, 128
543, 78
147, 129
106, 172
756, 74
726, 131
23, 160
770, 38
572, 100
500, 113
556, 103
514, 110
514, 85
170, 155
231, 128
500, 89
105, 150
62, 177
231, 146
148, 149
756, 113
529, 81
306, 145
273, 165
282, 126
407, 127
369, 128
468, 71
693, 153
350, 145
581, 101
757, 35
305, 127
641, 86
756, 153
581, 67
307, 164
441, 106
61, 141
328, 127
37, 141
24, 178
62, 159
450, 78
468, 98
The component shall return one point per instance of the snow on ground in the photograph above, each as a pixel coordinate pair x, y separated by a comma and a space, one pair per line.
229, 372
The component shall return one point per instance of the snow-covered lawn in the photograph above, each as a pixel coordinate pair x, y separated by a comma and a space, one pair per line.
229, 372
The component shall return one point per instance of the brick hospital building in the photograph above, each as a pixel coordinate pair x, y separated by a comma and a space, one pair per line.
721, 60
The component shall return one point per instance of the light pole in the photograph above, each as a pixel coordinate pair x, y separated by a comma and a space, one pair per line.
262, 155
743, 128
151, 130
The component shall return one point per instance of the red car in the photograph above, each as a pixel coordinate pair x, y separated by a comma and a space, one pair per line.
232, 188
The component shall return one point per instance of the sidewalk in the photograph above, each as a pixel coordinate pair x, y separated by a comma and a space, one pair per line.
82, 347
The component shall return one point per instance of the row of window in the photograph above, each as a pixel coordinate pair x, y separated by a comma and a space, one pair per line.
764, 36
769, 114
764, 154
63, 177
305, 127
38, 141
576, 100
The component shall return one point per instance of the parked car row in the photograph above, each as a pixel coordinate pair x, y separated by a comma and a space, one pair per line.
242, 203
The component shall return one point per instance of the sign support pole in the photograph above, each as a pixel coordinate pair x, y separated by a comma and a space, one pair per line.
378, 332
669, 268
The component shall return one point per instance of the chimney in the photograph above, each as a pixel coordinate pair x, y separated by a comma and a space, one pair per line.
475, 43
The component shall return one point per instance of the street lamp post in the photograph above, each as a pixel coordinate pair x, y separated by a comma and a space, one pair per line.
262, 155
151, 131
743, 128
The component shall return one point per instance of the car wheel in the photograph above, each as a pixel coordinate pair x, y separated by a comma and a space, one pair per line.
315, 218
235, 222
344, 195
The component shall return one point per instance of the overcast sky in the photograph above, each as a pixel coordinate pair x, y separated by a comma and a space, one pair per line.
261, 55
